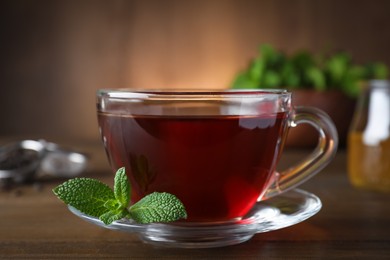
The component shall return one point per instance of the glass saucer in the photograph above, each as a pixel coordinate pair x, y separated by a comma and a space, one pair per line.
278, 212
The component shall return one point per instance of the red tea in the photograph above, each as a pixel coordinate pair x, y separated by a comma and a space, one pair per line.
218, 166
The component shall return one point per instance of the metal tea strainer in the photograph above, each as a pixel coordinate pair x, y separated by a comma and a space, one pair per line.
21, 161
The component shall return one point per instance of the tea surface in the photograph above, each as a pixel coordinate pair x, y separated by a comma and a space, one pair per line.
218, 166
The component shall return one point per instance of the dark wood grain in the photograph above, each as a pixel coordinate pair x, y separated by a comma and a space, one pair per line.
352, 224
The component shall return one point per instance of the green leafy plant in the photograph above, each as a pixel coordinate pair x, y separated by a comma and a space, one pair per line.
96, 199
274, 69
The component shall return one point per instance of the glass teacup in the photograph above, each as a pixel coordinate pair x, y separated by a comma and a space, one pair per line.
217, 151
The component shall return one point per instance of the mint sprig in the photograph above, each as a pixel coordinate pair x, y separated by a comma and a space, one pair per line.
96, 199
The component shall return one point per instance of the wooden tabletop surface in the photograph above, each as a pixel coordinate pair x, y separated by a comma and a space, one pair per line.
352, 224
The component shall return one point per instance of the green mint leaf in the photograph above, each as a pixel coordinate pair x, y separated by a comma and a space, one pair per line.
113, 205
111, 216
96, 199
86, 195
157, 207
122, 187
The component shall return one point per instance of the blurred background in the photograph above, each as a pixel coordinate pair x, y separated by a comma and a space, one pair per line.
56, 54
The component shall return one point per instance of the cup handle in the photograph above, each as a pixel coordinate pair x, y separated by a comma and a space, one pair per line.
314, 162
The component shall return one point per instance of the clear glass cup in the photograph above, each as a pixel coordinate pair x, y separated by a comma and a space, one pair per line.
217, 151
369, 138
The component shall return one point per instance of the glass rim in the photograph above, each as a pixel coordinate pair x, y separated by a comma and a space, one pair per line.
126, 93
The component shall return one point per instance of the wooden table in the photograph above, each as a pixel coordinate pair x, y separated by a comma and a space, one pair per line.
352, 224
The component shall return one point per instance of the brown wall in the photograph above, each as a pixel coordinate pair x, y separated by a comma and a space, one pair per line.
56, 54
